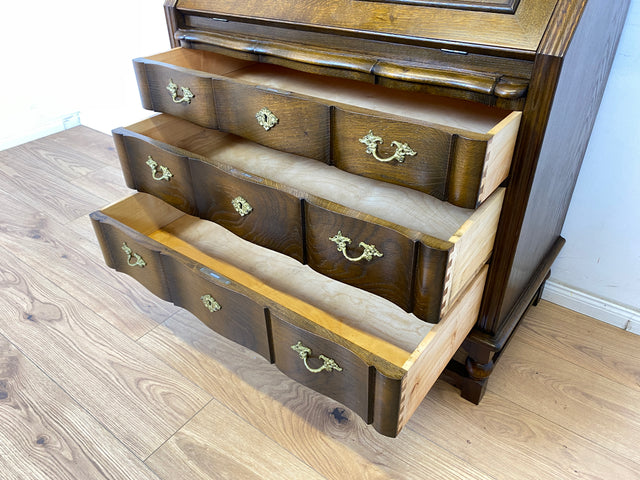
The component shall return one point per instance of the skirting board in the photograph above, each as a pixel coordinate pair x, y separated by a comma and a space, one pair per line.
598, 308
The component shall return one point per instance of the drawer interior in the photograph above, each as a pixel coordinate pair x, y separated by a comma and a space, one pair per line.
354, 315
452, 114
404, 354
405, 207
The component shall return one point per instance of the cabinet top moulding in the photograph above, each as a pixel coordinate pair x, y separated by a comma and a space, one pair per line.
442, 23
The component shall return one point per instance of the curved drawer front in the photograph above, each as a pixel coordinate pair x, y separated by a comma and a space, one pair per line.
393, 151
360, 253
352, 346
208, 295
129, 252
461, 151
321, 365
256, 212
150, 168
419, 270
278, 120
185, 94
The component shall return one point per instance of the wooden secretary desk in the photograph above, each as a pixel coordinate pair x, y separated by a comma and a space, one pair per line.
367, 193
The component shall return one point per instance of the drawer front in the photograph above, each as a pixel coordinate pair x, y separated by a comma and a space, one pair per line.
263, 215
177, 91
393, 151
155, 170
321, 365
276, 119
125, 252
354, 251
206, 294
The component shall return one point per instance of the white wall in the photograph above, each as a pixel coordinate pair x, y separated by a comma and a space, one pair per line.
70, 63
598, 271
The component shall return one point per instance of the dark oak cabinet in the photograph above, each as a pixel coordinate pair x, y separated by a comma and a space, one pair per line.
368, 193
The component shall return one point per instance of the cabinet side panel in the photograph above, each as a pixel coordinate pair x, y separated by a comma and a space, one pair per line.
573, 114
560, 111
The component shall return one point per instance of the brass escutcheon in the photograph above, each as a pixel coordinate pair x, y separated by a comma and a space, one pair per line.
139, 262
266, 118
186, 93
328, 364
165, 174
241, 206
372, 141
369, 252
210, 302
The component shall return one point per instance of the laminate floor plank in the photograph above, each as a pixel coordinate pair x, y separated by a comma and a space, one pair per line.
45, 435
77, 265
79, 398
135, 396
600, 348
321, 432
529, 446
41, 188
106, 182
216, 443
588, 404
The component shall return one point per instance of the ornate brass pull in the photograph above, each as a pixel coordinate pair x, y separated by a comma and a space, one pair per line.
186, 93
372, 141
328, 364
165, 174
241, 206
266, 118
210, 302
139, 262
370, 251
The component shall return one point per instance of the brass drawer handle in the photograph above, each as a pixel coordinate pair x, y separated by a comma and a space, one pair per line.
372, 141
165, 174
210, 302
139, 262
370, 251
186, 93
266, 118
328, 364
241, 206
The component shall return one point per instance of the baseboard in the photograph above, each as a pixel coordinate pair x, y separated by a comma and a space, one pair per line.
41, 125
598, 308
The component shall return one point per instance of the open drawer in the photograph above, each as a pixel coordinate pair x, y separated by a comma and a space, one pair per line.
339, 340
455, 150
401, 244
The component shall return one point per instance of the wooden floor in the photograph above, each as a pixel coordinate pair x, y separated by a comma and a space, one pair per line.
100, 379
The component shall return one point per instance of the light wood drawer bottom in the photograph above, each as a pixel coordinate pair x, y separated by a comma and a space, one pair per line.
344, 342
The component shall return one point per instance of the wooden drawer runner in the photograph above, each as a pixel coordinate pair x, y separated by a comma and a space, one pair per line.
401, 244
339, 340
454, 150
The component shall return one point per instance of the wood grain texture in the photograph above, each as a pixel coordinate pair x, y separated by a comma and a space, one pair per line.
45, 434
446, 437
302, 126
585, 342
89, 358
319, 431
275, 219
389, 275
595, 407
426, 25
499, 81
219, 444
326, 120
556, 123
531, 446
349, 385
238, 318
33, 232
